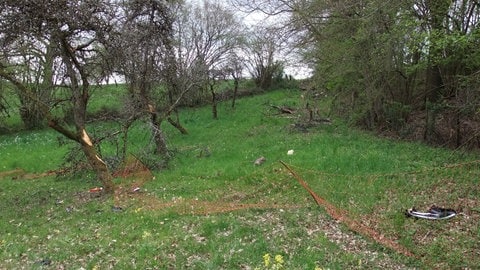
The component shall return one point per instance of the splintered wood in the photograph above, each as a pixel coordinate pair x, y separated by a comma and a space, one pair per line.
354, 225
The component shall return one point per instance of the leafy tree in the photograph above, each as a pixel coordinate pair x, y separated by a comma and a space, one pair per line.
451, 31
383, 61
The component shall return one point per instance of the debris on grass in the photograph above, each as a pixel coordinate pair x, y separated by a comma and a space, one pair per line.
96, 190
434, 213
117, 208
44, 262
259, 161
342, 216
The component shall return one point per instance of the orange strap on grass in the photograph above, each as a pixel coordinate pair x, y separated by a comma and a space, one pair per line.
342, 216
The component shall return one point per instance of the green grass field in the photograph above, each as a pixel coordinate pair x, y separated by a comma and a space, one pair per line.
211, 208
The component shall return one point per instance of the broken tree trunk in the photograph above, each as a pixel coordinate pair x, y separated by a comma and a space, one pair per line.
98, 165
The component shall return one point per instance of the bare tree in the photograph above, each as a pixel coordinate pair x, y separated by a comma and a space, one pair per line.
263, 50
141, 45
208, 35
34, 63
234, 68
75, 31
267, 7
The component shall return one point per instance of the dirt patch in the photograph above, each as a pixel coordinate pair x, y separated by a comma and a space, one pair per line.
129, 194
21, 174
145, 202
12, 173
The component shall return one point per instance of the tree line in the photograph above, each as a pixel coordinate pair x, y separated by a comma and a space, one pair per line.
411, 67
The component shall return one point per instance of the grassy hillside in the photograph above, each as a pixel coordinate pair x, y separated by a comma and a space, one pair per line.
211, 208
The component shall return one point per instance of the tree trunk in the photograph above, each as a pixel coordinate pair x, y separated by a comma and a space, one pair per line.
214, 103
160, 140
235, 92
438, 11
458, 128
157, 133
177, 125
80, 97
98, 165
433, 93
173, 88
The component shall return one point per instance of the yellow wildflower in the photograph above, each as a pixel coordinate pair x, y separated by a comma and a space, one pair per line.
279, 259
266, 260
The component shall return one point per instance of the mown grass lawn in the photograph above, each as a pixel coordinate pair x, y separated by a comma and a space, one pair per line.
211, 208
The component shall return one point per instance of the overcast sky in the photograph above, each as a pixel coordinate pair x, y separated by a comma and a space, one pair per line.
293, 65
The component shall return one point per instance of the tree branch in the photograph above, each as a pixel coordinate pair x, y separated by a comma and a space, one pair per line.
45, 109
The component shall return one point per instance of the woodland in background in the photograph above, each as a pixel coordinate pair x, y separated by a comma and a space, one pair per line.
405, 68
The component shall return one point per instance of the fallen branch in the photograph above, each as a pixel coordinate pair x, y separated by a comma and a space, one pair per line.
342, 216
284, 109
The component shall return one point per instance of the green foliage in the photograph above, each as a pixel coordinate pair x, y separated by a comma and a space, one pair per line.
371, 54
267, 76
396, 114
